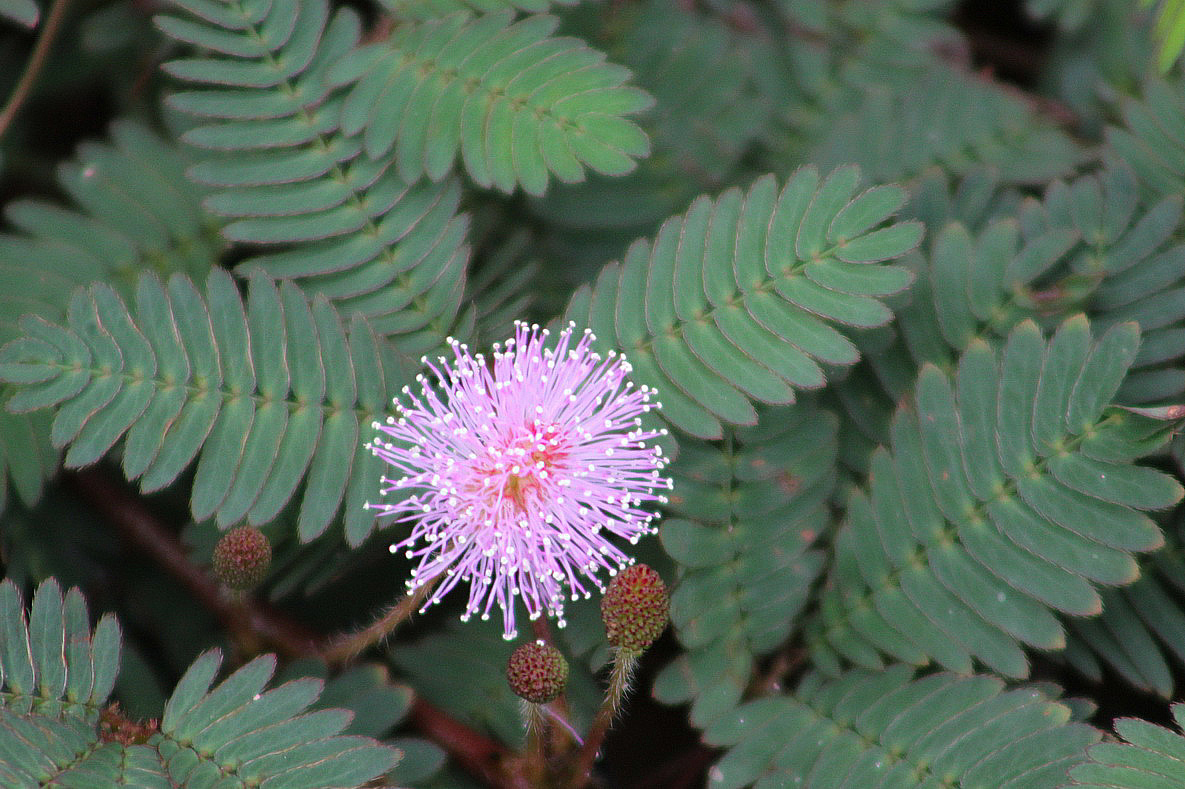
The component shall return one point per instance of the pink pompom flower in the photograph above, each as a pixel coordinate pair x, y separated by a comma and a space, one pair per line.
514, 473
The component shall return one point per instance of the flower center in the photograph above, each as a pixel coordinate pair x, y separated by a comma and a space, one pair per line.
531, 459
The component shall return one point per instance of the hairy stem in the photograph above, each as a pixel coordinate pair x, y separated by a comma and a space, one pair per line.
624, 663
563, 737
536, 757
344, 648
37, 60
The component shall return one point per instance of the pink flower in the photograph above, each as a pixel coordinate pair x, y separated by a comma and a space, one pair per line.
520, 471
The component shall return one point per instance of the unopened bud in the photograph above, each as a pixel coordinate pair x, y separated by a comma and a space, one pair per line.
537, 672
635, 608
241, 557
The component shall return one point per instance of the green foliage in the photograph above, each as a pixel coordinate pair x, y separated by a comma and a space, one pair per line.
137, 211
747, 512
920, 426
516, 102
1151, 137
57, 675
134, 217
281, 387
1170, 31
982, 520
707, 80
950, 118
288, 173
1087, 246
888, 729
734, 300
22, 12
377, 705
50, 661
1148, 756
1138, 635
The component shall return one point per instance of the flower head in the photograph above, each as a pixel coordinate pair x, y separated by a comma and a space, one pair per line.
537, 672
242, 557
515, 472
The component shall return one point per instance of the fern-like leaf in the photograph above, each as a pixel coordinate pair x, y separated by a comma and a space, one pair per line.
1087, 247
985, 518
369, 240
1141, 633
940, 115
56, 676
269, 395
711, 101
134, 216
516, 102
736, 300
50, 661
746, 514
1146, 757
1151, 140
377, 705
888, 729
239, 729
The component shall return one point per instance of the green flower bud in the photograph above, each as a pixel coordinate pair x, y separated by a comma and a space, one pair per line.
635, 608
241, 557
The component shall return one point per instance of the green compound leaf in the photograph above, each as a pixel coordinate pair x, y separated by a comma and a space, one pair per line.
377, 705
38, 751
50, 661
986, 516
1147, 756
266, 395
1150, 139
132, 216
240, 729
888, 729
1089, 246
737, 299
354, 230
57, 677
746, 514
950, 117
516, 102
1140, 634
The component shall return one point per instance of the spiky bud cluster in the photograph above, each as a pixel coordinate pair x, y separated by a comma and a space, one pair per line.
537, 672
241, 557
635, 608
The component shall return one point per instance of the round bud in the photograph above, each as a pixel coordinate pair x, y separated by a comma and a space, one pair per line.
635, 608
241, 557
537, 672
